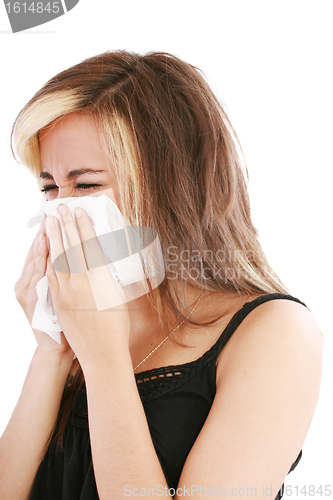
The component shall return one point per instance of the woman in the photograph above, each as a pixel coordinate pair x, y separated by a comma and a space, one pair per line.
206, 385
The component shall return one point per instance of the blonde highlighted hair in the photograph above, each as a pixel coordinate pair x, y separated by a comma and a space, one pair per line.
174, 155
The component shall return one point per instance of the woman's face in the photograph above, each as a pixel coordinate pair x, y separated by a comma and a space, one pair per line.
73, 161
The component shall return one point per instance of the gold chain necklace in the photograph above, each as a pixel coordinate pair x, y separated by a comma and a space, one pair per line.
159, 345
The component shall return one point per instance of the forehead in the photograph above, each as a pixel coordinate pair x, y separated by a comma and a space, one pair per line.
73, 139
72, 127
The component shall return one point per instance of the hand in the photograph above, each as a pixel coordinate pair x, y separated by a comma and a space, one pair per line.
92, 312
25, 290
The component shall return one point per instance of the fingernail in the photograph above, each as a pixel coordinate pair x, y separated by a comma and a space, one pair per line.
40, 240
50, 222
78, 212
62, 209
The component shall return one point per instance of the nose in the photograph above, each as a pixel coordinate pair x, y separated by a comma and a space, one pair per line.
67, 192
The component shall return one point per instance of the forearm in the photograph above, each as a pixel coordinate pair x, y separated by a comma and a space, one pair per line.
122, 449
23, 443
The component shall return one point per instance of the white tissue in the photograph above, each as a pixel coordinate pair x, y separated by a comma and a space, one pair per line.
106, 218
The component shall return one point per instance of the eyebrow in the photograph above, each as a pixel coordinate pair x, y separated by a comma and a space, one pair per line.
72, 174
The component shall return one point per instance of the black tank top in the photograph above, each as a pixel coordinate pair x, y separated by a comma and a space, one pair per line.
176, 400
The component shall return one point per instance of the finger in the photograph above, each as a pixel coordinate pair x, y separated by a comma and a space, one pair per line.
34, 246
93, 253
107, 293
29, 264
68, 226
102, 285
104, 289
51, 277
56, 247
40, 261
28, 269
72, 241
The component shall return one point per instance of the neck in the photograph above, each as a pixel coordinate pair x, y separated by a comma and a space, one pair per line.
144, 320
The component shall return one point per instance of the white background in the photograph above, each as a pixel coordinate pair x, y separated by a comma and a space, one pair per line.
271, 64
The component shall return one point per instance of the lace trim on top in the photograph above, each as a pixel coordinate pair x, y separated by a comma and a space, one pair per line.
151, 384
159, 381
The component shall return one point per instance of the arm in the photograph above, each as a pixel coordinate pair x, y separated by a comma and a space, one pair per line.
122, 449
267, 390
23, 443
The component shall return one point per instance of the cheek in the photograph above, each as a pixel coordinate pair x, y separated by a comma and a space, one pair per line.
115, 197
112, 193
69, 192
51, 195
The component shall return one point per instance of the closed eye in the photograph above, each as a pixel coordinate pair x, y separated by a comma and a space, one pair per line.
78, 186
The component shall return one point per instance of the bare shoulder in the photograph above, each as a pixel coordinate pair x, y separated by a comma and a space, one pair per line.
280, 330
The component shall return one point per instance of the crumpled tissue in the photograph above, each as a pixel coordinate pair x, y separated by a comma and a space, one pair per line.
112, 231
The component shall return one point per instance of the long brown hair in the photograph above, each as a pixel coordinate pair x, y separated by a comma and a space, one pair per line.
178, 166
